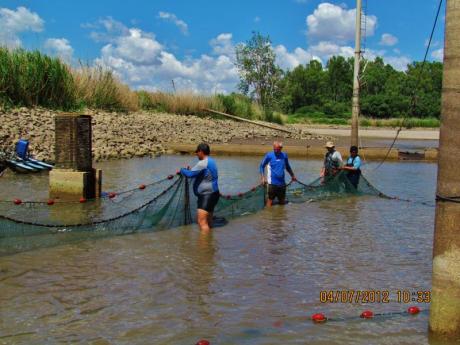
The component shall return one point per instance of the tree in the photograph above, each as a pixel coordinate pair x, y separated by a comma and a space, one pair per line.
303, 86
259, 75
340, 78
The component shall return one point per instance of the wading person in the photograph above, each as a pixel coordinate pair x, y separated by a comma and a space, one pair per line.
332, 162
353, 167
276, 162
205, 186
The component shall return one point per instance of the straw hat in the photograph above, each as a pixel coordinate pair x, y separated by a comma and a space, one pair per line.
329, 144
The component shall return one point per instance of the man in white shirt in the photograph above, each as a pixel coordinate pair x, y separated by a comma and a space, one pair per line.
332, 161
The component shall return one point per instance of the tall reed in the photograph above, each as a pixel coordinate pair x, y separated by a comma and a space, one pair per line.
34, 79
98, 88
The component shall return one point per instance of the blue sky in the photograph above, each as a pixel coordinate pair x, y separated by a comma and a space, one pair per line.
149, 43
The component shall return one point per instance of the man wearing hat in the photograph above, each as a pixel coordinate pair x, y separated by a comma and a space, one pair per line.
332, 161
205, 186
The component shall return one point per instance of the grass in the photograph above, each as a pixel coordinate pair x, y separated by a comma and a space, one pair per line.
183, 103
34, 79
98, 88
30, 78
410, 122
320, 118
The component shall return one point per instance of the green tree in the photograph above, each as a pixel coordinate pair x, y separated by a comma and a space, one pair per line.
340, 78
304, 86
259, 75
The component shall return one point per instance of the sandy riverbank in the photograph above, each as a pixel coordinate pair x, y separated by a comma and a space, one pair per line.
118, 135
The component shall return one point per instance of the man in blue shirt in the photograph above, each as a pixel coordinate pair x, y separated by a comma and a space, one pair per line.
205, 186
353, 167
276, 162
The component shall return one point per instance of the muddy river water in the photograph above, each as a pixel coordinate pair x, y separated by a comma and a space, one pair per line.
255, 281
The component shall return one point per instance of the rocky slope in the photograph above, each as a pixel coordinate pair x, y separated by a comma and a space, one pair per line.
118, 135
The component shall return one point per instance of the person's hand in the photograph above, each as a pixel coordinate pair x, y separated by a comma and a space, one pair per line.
263, 180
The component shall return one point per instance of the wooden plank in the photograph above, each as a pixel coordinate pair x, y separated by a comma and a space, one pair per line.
250, 121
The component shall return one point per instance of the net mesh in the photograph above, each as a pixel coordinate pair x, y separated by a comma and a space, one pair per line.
164, 204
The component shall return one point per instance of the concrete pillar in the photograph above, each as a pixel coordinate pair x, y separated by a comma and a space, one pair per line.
445, 305
355, 109
73, 176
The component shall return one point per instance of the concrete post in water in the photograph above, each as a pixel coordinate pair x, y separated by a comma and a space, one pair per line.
445, 304
73, 176
355, 109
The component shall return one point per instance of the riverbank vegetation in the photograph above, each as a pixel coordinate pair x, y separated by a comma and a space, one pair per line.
312, 93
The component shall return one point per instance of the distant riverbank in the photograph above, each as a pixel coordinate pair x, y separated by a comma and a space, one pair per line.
122, 135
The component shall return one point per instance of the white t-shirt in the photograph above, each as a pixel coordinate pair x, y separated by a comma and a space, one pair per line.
337, 158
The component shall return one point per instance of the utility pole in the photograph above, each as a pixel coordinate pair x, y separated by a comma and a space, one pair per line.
355, 109
445, 303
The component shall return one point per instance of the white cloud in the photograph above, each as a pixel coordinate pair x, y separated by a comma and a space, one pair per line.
142, 62
15, 22
136, 47
223, 45
388, 40
171, 17
398, 62
60, 47
438, 54
112, 30
289, 61
330, 22
326, 49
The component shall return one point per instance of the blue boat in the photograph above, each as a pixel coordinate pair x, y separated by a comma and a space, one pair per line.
23, 163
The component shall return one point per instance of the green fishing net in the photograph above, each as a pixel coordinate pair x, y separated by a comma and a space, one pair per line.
164, 204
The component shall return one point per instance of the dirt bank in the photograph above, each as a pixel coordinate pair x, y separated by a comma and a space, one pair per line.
118, 135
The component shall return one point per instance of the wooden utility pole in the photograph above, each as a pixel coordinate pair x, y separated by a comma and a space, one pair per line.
445, 304
355, 109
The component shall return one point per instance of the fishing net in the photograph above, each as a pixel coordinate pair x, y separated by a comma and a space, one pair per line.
164, 204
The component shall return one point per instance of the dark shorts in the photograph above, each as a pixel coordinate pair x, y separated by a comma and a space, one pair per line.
207, 202
275, 191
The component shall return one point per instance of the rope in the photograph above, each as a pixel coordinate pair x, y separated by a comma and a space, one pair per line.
186, 206
375, 316
413, 99
95, 222
95, 199
454, 199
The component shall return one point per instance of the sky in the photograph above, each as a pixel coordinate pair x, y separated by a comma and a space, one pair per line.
150, 43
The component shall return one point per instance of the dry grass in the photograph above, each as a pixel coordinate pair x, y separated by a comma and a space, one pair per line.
99, 88
185, 103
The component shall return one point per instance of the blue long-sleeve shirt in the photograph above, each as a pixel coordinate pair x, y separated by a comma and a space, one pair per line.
276, 163
206, 176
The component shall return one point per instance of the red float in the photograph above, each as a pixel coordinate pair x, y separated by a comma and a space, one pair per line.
170, 177
413, 310
142, 186
367, 314
203, 342
278, 323
240, 194
319, 317
228, 197
82, 200
17, 201
112, 195
50, 202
